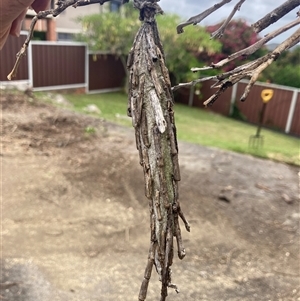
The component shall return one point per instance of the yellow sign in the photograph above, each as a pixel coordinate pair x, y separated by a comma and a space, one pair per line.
266, 94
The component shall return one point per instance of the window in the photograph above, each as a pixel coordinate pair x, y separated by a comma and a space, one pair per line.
115, 5
64, 36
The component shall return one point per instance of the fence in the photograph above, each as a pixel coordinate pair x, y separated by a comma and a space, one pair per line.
60, 66
8, 58
282, 111
69, 65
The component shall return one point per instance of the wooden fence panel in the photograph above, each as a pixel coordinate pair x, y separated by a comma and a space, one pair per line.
295, 126
182, 96
222, 104
57, 65
105, 72
65, 65
277, 108
8, 58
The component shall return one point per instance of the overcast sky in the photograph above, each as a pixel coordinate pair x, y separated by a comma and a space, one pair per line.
251, 11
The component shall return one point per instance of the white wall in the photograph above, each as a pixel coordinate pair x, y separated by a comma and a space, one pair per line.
66, 21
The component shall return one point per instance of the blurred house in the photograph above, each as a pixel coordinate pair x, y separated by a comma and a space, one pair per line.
65, 26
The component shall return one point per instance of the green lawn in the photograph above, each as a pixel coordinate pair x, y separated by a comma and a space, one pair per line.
201, 127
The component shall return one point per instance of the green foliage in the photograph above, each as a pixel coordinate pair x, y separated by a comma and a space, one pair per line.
90, 130
110, 32
285, 71
291, 57
237, 114
114, 33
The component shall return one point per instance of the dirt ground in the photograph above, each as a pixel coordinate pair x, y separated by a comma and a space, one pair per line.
75, 223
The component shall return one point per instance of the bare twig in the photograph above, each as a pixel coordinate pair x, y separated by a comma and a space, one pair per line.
219, 33
252, 69
251, 49
249, 70
218, 77
275, 15
198, 18
23, 50
295, 38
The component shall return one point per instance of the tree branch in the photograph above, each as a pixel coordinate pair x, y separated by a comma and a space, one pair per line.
219, 33
275, 15
253, 69
295, 38
198, 18
249, 70
218, 77
251, 49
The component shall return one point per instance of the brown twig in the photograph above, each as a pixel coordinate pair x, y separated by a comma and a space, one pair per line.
249, 70
219, 33
252, 48
23, 50
198, 18
219, 77
275, 15
295, 38
252, 69
246, 51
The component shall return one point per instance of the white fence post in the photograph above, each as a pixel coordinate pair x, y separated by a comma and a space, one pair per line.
30, 67
291, 111
233, 98
87, 70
